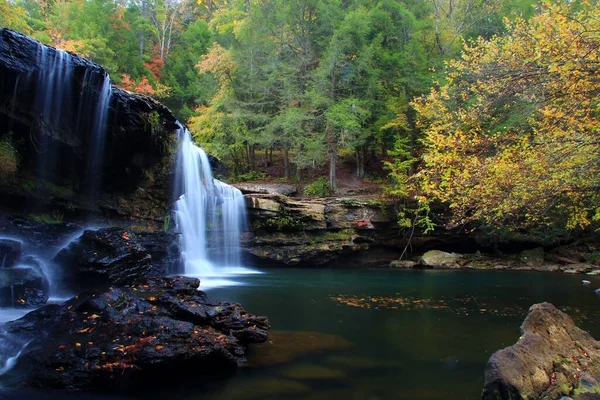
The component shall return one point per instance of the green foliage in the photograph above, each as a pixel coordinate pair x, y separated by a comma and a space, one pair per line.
318, 188
399, 168
283, 223
9, 159
54, 218
249, 176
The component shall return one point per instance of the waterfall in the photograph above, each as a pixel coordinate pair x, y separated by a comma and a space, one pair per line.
211, 216
62, 105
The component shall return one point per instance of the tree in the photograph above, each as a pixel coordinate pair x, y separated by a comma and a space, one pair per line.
13, 16
512, 138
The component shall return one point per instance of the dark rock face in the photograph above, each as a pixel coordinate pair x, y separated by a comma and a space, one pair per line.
10, 252
553, 358
161, 329
164, 247
23, 286
139, 146
104, 257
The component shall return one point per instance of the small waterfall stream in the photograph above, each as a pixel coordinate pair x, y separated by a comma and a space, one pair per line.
211, 217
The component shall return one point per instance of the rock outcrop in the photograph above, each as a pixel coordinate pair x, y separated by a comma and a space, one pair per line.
109, 256
553, 358
288, 231
161, 329
45, 118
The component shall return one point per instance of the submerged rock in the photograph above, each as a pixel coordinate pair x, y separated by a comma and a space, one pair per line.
161, 329
285, 346
10, 252
553, 358
103, 257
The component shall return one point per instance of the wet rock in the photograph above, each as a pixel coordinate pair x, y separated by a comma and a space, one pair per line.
34, 263
285, 346
553, 358
440, 259
403, 264
162, 329
10, 252
104, 257
165, 249
23, 286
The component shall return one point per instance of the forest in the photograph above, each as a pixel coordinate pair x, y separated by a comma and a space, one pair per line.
489, 107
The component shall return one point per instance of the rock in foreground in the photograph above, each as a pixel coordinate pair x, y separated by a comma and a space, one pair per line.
553, 358
126, 337
106, 256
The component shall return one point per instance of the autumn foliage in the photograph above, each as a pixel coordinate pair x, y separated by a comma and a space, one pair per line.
512, 136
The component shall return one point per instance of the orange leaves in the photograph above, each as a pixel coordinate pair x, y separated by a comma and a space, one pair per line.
126, 236
158, 347
143, 86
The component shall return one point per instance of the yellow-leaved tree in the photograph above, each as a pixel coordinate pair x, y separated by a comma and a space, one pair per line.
512, 137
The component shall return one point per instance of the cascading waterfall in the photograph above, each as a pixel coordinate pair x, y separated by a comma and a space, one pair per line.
54, 98
211, 217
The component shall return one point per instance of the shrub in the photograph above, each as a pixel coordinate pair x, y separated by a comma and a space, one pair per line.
9, 159
319, 188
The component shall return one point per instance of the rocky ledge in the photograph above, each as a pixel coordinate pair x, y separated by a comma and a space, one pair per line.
317, 232
553, 358
50, 129
528, 260
124, 337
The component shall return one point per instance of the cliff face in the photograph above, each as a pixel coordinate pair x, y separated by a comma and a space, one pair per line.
320, 232
47, 132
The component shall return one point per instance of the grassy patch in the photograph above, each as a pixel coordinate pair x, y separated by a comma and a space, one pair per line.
319, 188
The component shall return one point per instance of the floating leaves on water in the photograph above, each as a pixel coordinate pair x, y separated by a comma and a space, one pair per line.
459, 305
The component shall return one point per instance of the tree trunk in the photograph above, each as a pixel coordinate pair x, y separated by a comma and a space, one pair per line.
332, 144
266, 158
286, 163
298, 174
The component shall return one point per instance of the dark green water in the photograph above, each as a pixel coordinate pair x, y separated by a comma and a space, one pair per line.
434, 345
415, 334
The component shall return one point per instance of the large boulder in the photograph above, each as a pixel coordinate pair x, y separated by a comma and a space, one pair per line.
440, 259
104, 257
23, 286
553, 358
10, 252
162, 329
